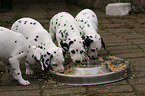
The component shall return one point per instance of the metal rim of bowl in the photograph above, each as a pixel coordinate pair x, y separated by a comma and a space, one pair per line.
92, 79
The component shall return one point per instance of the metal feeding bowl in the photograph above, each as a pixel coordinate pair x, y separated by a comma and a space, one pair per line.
104, 70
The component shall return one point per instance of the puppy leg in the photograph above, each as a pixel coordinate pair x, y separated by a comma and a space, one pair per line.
14, 61
8, 69
29, 70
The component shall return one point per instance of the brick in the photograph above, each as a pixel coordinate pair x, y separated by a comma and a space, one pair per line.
131, 55
138, 62
20, 93
106, 88
140, 80
64, 91
122, 47
125, 51
139, 87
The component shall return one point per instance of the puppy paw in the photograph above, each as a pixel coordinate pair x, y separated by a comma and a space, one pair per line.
25, 82
29, 72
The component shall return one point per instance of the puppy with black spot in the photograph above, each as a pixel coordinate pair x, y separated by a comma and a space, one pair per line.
15, 48
88, 22
39, 37
64, 28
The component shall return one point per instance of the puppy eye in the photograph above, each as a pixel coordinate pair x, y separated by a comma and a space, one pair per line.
81, 51
54, 64
73, 51
96, 49
93, 50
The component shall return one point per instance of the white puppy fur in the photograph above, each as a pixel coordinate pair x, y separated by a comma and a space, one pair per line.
39, 37
14, 48
88, 22
64, 28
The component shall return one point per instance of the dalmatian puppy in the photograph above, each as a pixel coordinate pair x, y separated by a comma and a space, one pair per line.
88, 22
39, 37
14, 48
64, 28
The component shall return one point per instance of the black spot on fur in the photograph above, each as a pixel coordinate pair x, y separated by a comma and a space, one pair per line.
15, 41
18, 73
26, 37
25, 22
88, 25
17, 27
19, 21
61, 34
34, 23
73, 51
88, 41
81, 51
35, 39
60, 31
41, 47
21, 52
82, 20
29, 46
48, 53
71, 42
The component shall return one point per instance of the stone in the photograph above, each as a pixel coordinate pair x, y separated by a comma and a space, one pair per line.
118, 9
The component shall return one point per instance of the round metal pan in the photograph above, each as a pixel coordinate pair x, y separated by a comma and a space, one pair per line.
108, 77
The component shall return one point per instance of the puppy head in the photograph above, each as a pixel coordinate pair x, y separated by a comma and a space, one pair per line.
76, 50
57, 59
93, 46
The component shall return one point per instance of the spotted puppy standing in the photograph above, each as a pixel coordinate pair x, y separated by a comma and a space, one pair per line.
88, 22
13, 48
39, 37
64, 28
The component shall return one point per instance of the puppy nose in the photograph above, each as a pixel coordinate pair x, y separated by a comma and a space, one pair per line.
61, 70
93, 57
78, 61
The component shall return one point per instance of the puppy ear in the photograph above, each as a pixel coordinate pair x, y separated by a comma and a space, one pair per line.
64, 45
88, 41
103, 44
45, 60
38, 55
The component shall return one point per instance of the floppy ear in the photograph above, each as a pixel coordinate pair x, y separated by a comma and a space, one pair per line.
64, 45
38, 55
45, 60
88, 41
103, 44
